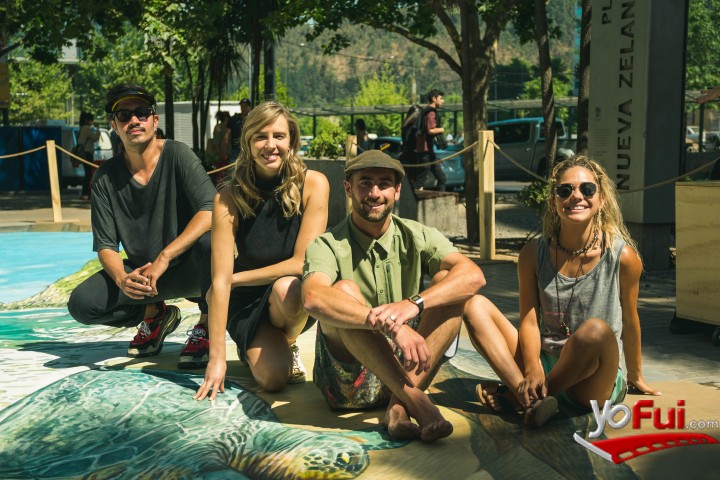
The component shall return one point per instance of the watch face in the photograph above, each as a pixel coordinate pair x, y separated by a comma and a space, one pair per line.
417, 299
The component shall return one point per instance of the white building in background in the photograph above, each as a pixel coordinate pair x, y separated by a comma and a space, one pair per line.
183, 119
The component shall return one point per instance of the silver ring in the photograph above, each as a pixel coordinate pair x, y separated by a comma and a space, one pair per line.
393, 317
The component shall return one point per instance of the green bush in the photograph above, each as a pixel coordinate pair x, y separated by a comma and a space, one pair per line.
329, 143
535, 195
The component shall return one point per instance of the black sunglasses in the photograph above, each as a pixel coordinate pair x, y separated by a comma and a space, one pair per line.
142, 114
564, 190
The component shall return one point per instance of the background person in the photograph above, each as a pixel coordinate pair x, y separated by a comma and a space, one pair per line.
578, 303
430, 127
269, 210
235, 124
87, 136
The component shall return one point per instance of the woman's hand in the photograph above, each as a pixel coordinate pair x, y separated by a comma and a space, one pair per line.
638, 384
532, 387
214, 380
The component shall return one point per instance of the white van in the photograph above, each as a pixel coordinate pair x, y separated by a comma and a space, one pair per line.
73, 176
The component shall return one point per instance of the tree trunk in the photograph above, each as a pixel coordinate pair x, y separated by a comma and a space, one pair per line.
478, 60
546, 81
255, 51
584, 78
169, 96
270, 92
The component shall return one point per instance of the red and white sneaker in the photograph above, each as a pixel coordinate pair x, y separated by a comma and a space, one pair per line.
152, 332
197, 348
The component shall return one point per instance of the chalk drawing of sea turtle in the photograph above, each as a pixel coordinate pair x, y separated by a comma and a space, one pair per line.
132, 424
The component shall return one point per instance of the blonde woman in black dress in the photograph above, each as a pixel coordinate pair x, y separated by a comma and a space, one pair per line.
269, 210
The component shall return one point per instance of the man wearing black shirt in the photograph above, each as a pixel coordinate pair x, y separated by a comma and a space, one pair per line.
156, 200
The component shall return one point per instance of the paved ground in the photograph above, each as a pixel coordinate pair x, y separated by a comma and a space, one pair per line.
684, 367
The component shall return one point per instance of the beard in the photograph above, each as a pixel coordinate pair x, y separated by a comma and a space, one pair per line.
373, 216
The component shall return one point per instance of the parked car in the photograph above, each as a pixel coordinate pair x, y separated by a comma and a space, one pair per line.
73, 176
520, 138
710, 141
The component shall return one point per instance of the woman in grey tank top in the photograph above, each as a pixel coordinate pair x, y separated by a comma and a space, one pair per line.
578, 305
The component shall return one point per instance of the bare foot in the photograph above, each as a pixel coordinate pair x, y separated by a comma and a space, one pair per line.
436, 431
432, 424
398, 423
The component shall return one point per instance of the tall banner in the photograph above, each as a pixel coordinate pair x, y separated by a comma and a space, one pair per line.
636, 108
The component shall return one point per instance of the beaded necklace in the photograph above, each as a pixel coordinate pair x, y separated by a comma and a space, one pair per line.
583, 251
574, 253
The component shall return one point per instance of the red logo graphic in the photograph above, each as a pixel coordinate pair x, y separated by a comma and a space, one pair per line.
618, 450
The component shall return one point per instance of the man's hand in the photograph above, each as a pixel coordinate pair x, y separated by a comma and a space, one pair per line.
533, 386
214, 380
135, 284
414, 350
390, 318
153, 271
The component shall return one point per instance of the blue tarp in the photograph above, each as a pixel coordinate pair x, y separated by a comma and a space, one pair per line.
29, 172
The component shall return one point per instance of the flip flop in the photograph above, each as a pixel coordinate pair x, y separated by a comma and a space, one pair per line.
540, 411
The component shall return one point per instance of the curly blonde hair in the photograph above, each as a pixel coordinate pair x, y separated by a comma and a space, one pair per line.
609, 219
246, 195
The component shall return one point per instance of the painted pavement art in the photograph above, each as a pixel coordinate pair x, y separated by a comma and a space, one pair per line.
72, 405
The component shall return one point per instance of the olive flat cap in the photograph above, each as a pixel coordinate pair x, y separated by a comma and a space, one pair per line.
374, 159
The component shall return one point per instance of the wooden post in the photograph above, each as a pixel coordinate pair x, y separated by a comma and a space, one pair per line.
350, 153
485, 160
54, 181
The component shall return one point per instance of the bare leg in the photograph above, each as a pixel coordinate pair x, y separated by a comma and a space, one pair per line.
268, 355
269, 358
588, 364
496, 339
374, 352
286, 308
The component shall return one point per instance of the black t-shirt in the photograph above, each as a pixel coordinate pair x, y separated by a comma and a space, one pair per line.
147, 218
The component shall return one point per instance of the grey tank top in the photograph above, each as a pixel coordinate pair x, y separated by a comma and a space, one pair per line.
597, 295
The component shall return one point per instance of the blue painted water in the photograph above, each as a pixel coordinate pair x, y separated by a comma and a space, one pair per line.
44, 324
30, 261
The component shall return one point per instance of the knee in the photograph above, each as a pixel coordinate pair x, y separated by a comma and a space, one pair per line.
593, 333
271, 381
79, 307
477, 312
287, 291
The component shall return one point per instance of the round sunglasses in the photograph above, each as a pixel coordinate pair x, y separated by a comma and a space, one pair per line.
142, 114
564, 190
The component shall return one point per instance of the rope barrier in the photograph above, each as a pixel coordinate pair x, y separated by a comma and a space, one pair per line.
419, 165
440, 160
94, 165
635, 190
229, 165
22, 153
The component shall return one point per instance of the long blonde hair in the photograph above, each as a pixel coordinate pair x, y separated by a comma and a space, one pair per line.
608, 220
246, 195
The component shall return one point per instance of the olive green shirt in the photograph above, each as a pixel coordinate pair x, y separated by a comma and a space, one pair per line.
388, 269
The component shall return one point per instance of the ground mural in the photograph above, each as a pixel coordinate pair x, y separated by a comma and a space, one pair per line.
69, 408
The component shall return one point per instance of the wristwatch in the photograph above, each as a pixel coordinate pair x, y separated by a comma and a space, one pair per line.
418, 300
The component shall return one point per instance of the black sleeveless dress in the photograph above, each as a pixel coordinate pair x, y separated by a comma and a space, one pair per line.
262, 240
